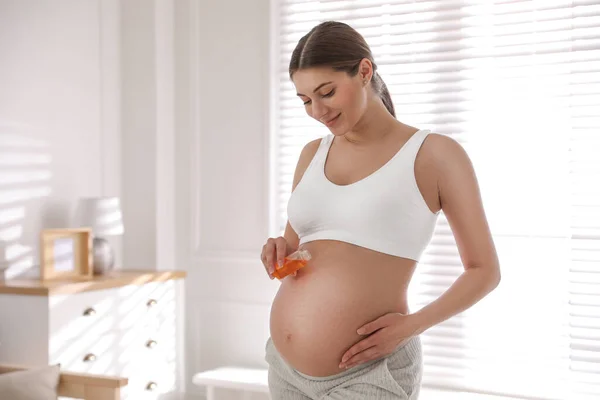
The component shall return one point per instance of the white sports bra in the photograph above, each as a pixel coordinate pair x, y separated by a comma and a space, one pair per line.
384, 212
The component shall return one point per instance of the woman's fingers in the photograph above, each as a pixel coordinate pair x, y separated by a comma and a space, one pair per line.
281, 245
271, 255
268, 253
274, 251
263, 258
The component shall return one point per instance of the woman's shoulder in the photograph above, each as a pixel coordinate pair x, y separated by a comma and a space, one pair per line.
440, 148
306, 156
440, 155
309, 151
310, 148
446, 158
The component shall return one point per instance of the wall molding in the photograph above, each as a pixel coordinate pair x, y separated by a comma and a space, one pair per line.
199, 248
209, 261
195, 148
271, 164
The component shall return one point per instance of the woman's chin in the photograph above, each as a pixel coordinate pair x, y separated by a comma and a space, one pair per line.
338, 130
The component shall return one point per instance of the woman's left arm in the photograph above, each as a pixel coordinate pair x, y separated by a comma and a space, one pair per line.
460, 199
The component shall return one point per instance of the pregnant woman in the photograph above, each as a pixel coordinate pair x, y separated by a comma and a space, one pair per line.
364, 203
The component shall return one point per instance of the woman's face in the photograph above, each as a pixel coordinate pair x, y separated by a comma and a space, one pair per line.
333, 98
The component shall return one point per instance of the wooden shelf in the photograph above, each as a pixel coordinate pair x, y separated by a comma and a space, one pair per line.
119, 278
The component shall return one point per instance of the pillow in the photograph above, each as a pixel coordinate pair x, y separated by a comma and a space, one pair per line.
31, 384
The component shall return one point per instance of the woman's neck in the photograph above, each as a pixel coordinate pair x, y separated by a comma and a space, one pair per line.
375, 124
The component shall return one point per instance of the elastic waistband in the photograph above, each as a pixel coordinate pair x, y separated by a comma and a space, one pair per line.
352, 370
411, 348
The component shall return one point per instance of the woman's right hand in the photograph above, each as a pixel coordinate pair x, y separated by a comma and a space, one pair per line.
274, 251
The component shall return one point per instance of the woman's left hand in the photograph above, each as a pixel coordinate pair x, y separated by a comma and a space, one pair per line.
384, 335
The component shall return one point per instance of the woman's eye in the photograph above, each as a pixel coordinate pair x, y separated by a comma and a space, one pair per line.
329, 94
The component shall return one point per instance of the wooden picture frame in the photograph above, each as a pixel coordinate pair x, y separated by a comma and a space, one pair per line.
66, 254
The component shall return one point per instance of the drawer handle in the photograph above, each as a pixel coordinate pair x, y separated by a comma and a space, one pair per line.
89, 312
151, 386
89, 357
151, 344
151, 303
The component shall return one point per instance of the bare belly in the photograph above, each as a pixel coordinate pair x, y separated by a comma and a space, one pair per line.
315, 315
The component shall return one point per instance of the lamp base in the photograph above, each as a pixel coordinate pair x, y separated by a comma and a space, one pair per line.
104, 257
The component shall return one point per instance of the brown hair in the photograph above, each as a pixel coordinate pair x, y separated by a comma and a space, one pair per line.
341, 47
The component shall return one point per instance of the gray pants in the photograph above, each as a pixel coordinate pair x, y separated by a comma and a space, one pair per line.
395, 377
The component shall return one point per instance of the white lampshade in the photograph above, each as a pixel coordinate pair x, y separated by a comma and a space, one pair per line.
102, 214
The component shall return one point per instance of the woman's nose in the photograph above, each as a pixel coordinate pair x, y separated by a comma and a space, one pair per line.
318, 110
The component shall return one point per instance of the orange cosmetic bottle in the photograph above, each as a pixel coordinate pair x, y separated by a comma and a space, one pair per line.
292, 263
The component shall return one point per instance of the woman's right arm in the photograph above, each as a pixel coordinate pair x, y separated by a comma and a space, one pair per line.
275, 250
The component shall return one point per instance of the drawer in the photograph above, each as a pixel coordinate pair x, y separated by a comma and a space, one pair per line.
139, 349
148, 362
89, 353
151, 387
150, 376
150, 306
122, 353
74, 315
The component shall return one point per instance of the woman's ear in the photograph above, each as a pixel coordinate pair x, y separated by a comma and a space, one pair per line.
365, 71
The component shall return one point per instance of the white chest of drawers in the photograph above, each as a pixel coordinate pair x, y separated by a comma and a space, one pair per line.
127, 324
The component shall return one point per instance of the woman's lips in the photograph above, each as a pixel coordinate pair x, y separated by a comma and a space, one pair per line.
332, 121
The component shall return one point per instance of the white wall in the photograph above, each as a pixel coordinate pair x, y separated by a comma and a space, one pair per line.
110, 98
59, 113
91, 84
222, 119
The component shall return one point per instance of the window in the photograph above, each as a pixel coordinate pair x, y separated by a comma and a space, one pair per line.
517, 83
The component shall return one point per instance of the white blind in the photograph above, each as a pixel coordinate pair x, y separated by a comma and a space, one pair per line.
517, 83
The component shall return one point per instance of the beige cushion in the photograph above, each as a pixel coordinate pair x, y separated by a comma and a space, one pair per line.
32, 384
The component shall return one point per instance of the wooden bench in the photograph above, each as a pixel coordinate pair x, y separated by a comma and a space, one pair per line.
247, 380
82, 386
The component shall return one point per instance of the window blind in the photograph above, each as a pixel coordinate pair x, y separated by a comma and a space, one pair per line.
517, 83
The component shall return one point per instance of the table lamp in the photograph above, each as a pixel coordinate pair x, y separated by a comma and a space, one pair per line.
103, 215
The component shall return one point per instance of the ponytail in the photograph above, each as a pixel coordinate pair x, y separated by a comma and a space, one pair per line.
384, 93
